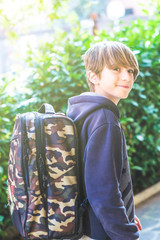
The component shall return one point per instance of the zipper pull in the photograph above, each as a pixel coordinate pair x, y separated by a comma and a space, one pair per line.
41, 162
26, 169
42, 169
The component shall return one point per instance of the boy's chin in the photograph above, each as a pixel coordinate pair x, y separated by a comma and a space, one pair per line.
124, 97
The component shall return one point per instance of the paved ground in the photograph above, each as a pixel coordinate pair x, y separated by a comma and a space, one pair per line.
149, 214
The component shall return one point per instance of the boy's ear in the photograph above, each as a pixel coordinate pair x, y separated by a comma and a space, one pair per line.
93, 77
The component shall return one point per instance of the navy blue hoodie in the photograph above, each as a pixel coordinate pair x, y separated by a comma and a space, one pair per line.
105, 169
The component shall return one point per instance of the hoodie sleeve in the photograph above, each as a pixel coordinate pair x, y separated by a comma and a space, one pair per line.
103, 168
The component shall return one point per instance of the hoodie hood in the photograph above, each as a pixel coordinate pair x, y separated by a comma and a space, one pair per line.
80, 106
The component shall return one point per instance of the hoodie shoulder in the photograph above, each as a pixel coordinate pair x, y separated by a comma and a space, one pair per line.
100, 117
89, 102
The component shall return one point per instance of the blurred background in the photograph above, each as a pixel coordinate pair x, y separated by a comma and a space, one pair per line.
41, 48
27, 23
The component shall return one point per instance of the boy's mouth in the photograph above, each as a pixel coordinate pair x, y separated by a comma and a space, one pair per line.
123, 86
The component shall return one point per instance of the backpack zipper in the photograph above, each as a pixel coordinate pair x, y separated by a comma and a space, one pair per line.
40, 156
41, 165
25, 157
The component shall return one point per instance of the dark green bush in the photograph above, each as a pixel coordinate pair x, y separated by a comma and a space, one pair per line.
59, 73
58, 69
143, 104
6, 122
11, 103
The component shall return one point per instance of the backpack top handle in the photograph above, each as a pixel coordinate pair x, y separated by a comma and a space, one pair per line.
46, 108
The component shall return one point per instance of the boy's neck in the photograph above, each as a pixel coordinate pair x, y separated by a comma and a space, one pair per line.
100, 92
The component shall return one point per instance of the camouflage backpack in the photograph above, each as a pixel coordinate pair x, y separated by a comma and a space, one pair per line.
44, 176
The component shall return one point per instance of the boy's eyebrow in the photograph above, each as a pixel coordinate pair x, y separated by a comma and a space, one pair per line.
119, 66
114, 66
130, 67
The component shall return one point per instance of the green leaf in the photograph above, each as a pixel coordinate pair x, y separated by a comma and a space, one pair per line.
146, 62
145, 11
1, 218
140, 137
1, 170
126, 120
5, 119
142, 96
137, 168
134, 103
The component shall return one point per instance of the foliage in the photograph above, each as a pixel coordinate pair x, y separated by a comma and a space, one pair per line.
7, 114
21, 16
58, 73
58, 69
11, 103
4, 220
143, 128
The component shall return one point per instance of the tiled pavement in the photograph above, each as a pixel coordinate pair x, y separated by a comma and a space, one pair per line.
149, 215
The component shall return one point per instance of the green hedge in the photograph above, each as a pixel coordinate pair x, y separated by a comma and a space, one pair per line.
59, 73
12, 102
7, 105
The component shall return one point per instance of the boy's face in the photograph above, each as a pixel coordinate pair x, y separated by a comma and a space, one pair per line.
115, 83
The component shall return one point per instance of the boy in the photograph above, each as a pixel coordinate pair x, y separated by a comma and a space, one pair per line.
111, 70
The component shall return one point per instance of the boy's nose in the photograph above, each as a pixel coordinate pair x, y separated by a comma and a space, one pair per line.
124, 74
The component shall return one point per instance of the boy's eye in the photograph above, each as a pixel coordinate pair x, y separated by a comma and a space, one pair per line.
131, 71
116, 69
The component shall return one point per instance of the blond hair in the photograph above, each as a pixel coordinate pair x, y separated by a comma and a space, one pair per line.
109, 54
